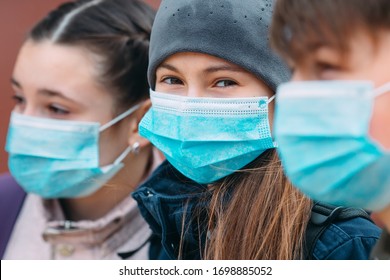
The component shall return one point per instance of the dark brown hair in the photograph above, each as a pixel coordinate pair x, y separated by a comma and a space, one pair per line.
117, 31
300, 26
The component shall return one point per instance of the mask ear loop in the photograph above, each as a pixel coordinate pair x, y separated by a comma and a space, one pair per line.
120, 117
123, 155
135, 148
129, 149
382, 90
271, 99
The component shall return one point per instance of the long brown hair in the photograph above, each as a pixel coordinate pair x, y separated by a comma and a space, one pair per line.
256, 213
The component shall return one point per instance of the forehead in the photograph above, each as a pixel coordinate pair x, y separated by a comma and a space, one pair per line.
47, 56
69, 69
328, 44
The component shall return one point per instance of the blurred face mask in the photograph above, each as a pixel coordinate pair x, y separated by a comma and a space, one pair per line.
322, 129
59, 158
208, 138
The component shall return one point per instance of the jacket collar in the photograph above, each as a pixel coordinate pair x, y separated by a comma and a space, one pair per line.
166, 200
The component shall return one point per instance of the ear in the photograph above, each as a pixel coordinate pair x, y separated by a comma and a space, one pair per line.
135, 120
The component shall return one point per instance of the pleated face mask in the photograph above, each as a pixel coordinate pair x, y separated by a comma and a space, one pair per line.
59, 158
322, 129
208, 138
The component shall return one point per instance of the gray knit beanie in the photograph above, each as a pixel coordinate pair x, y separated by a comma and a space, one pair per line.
234, 30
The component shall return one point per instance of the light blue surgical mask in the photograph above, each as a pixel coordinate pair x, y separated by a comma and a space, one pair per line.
322, 129
59, 158
208, 138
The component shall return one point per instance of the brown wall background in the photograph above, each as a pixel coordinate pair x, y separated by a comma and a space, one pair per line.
16, 18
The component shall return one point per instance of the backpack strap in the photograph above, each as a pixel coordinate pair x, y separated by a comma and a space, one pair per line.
322, 216
11, 200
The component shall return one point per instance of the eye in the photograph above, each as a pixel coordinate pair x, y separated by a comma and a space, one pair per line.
18, 99
58, 110
172, 81
327, 71
324, 66
225, 83
291, 68
291, 65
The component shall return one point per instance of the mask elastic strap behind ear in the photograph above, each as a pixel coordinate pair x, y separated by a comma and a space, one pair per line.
118, 160
382, 89
123, 155
271, 98
120, 117
269, 101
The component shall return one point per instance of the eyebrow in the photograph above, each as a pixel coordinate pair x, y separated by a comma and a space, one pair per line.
52, 93
15, 83
212, 69
46, 92
169, 67
224, 67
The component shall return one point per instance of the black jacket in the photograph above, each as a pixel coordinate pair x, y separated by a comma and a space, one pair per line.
168, 196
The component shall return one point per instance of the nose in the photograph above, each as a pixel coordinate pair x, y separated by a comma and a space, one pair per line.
195, 91
303, 73
29, 110
296, 76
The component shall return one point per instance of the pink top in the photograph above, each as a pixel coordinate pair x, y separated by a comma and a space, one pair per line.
42, 233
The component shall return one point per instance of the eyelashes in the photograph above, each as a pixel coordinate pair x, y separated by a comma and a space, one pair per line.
58, 110
18, 99
55, 109
225, 83
221, 83
172, 81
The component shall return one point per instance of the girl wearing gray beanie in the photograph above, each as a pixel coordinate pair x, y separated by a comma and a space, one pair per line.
222, 193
